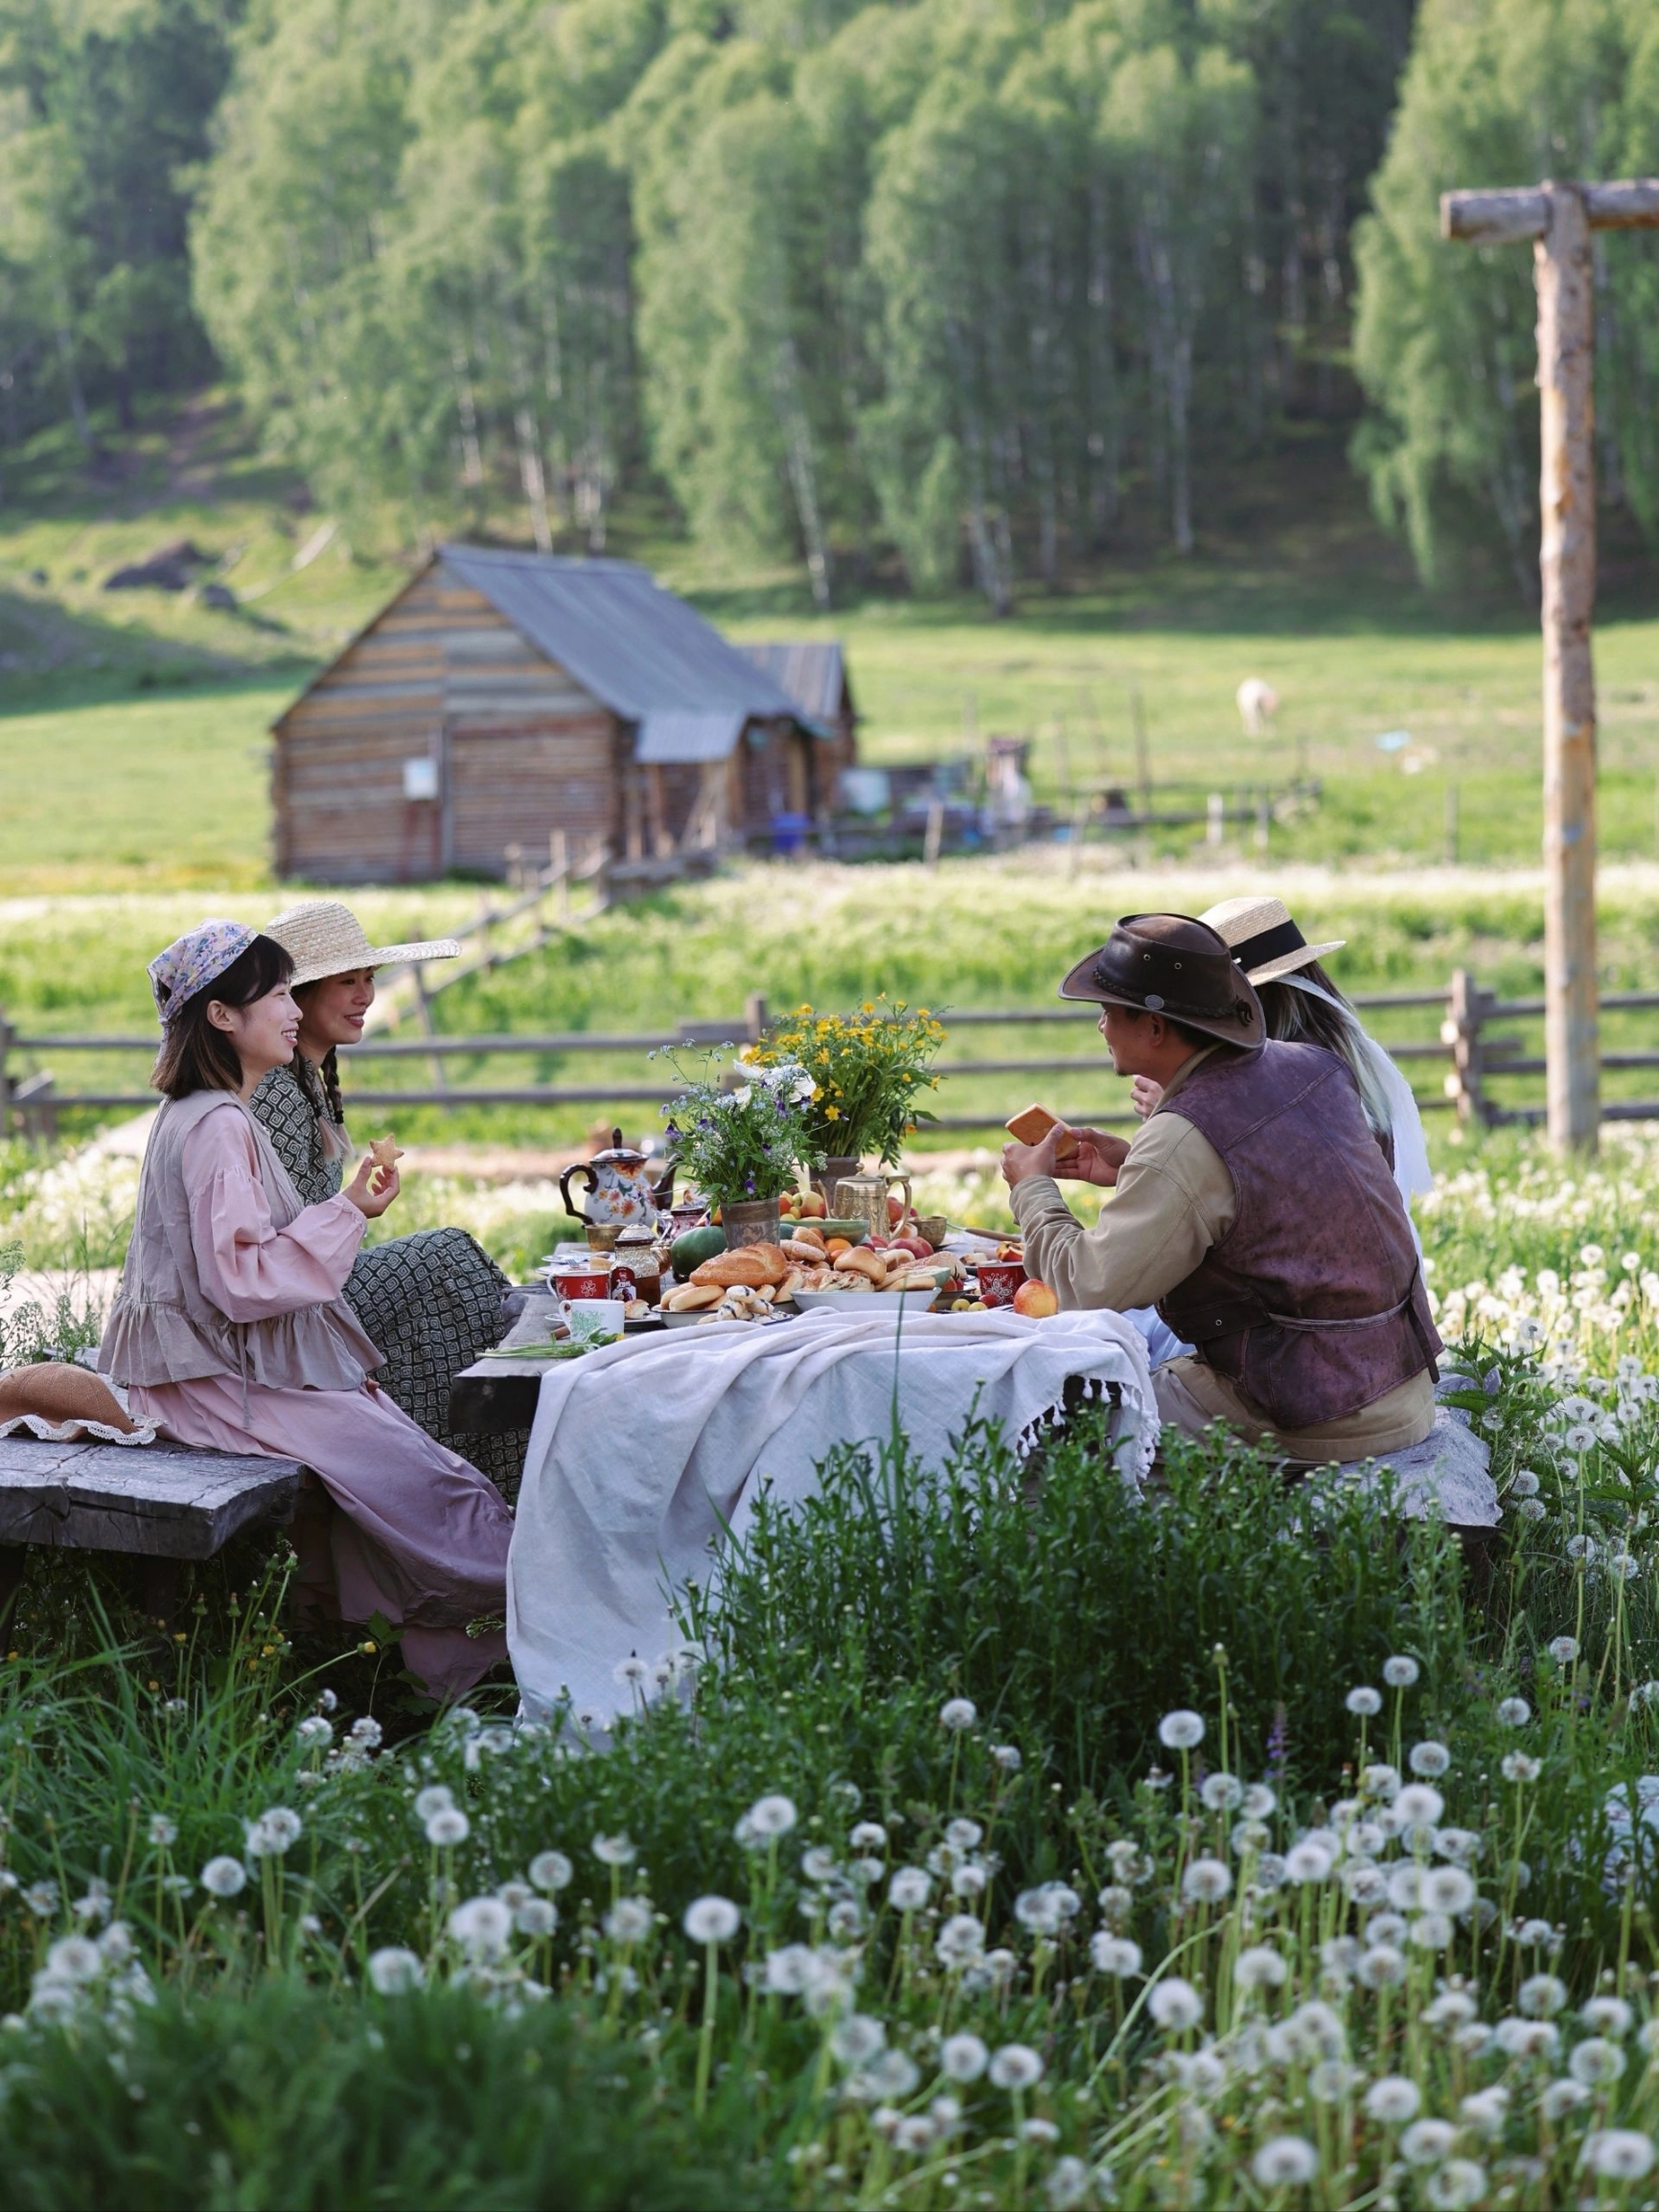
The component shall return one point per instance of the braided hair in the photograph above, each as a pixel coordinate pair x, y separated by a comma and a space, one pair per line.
320, 1081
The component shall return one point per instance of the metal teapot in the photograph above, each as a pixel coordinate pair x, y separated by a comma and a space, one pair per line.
620, 1192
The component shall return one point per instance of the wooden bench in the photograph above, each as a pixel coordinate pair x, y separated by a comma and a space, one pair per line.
156, 1503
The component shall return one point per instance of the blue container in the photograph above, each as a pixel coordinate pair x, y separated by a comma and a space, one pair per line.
789, 832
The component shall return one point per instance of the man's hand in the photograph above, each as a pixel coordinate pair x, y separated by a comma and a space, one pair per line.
1020, 1161
1097, 1159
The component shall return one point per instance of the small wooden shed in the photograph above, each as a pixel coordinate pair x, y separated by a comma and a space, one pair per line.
504, 698
815, 676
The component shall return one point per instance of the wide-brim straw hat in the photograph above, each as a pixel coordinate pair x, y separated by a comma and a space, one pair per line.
1266, 944
325, 939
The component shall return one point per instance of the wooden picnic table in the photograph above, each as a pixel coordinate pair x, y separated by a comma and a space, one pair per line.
495, 1396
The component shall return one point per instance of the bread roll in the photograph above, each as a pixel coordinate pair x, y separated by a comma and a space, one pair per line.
871, 1265
746, 1266
691, 1297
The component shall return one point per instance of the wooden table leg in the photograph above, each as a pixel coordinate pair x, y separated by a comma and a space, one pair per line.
158, 1589
13, 1559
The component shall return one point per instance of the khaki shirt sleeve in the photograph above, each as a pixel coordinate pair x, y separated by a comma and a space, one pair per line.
1173, 1201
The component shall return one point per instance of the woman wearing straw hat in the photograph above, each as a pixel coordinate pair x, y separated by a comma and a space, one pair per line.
431, 1301
229, 1328
1303, 1007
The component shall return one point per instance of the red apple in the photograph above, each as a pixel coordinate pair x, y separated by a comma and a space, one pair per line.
1036, 1300
895, 1211
813, 1207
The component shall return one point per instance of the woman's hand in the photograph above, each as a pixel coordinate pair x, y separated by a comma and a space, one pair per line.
371, 1189
1097, 1159
1144, 1095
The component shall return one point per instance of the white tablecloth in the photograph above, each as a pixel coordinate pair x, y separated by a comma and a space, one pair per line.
642, 1450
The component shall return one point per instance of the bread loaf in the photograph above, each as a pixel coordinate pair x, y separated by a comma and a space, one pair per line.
690, 1298
749, 1266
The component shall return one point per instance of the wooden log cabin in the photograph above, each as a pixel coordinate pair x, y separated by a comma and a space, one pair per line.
508, 699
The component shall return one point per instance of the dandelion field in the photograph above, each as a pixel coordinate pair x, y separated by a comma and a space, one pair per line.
985, 1842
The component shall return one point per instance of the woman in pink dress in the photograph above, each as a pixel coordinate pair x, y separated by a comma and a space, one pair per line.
229, 1329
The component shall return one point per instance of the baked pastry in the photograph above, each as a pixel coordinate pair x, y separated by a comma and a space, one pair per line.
385, 1153
1033, 1124
871, 1265
691, 1297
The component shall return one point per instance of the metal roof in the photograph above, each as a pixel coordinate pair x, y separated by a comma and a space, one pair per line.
666, 737
815, 675
635, 646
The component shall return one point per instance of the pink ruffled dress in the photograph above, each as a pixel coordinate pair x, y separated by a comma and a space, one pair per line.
230, 1332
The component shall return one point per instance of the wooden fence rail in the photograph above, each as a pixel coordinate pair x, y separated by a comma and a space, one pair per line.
31, 1100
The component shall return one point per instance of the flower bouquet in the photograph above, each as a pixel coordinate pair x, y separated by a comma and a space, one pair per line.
867, 1071
744, 1144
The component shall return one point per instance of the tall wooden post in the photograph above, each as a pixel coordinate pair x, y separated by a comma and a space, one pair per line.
1567, 568
1558, 219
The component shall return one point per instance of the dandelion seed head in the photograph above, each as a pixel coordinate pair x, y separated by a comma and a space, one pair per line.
1427, 2142
1175, 2005
448, 1827
1181, 1730
1619, 2153
958, 1713
392, 1970
1394, 2100
551, 1870
223, 1876
1285, 2162
1015, 2066
1400, 1672
1363, 1701
711, 1919
963, 2057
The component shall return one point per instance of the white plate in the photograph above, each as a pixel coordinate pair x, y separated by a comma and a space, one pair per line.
864, 1300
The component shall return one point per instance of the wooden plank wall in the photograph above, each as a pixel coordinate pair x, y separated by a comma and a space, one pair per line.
523, 749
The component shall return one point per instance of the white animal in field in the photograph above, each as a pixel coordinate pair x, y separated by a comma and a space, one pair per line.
1257, 704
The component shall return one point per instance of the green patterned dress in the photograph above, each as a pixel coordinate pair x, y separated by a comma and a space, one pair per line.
431, 1301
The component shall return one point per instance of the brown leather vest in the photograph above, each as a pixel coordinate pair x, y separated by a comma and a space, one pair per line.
1313, 1303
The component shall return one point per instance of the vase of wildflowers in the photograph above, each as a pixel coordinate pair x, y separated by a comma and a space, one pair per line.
741, 1134
869, 1071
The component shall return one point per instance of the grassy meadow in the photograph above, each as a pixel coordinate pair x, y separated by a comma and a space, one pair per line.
983, 1841
133, 723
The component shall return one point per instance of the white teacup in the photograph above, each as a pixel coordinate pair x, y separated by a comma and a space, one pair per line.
597, 1317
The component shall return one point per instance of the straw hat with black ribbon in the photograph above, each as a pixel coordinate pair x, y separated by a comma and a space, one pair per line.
325, 939
1266, 944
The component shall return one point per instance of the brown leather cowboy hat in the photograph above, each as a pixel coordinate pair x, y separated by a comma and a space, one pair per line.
1174, 965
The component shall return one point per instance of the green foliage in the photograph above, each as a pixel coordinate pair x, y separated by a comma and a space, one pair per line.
283, 2094
1502, 93
984, 1581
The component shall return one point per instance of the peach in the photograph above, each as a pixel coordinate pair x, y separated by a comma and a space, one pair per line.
895, 1209
813, 1207
1036, 1300
837, 1245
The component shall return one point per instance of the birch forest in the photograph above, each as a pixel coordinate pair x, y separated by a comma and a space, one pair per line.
962, 292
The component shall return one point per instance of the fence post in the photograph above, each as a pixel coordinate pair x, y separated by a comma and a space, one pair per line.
7, 1033
754, 1017
1215, 826
1467, 1006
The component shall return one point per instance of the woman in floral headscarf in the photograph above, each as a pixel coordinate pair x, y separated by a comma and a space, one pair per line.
230, 1332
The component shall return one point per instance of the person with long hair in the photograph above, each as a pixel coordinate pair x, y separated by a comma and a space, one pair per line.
1301, 1005
431, 1301
229, 1329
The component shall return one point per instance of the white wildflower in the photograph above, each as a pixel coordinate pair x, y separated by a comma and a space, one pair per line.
223, 1876
1181, 1730
1363, 1701
957, 1714
1175, 2005
481, 1927
1285, 2162
1399, 1672
1207, 1880
962, 2057
448, 1827
1394, 2100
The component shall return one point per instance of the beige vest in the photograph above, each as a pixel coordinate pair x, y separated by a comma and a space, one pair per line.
164, 1327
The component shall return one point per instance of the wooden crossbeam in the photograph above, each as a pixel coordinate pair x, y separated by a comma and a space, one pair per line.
1559, 217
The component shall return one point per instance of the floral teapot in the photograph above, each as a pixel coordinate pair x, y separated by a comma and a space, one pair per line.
620, 1192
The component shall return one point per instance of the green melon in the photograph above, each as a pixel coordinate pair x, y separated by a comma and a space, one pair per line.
692, 1247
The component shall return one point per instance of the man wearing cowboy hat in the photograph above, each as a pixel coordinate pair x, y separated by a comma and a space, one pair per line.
1254, 1207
